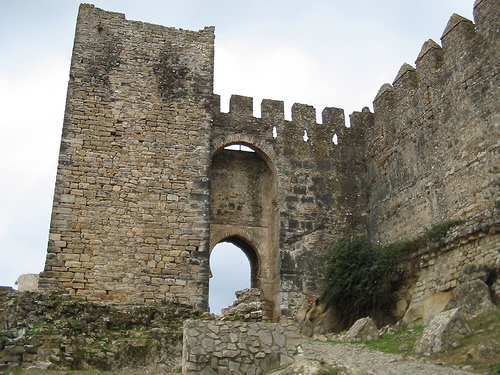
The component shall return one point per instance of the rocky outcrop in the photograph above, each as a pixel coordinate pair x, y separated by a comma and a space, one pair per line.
472, 294
59, 332
315, 318
248, 307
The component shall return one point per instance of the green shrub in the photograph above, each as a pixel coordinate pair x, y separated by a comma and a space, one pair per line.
362, 277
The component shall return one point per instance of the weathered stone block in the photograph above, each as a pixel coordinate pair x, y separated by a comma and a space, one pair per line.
363, 329
442, 331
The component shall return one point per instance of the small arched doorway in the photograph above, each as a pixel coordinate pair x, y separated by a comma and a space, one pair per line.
233, 267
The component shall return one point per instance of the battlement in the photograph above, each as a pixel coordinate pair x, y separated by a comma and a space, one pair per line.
91, 12
433, 123
437, 68
303, 124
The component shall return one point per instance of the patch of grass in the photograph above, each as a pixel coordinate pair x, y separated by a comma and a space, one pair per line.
481, 349
394, 342
494, 368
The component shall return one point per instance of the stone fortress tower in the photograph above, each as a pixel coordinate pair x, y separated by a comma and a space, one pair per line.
146, 187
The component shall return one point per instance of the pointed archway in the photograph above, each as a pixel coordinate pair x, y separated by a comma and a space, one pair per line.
243, 211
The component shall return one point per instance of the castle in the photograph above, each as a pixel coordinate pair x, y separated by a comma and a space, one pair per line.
146, 185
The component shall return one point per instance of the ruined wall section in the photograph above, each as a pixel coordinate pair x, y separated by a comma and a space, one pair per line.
320, 187
433, 152
130, 213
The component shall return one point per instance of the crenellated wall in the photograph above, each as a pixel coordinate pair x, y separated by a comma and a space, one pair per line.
146, 186
316, 190
433, 152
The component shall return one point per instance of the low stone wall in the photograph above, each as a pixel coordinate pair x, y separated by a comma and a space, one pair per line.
217, 347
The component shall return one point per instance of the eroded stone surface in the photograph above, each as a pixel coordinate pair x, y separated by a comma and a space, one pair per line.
444, 329
363, 329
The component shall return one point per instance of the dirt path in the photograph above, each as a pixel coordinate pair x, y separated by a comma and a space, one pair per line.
357, 360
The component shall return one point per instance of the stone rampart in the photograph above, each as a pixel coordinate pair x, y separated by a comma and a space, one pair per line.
146, 187
131, 204
433, 152
311, 192
58, 332
215, 347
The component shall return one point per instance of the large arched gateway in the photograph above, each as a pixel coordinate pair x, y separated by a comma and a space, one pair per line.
243, 207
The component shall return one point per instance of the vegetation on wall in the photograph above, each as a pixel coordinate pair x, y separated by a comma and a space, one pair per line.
362, 277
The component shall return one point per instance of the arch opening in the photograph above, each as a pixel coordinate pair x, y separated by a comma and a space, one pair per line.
243, 211
233, 267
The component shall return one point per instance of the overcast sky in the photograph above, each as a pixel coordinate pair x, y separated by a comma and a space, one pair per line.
318, 52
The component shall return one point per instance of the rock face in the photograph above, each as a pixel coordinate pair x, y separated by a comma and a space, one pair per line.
472, 294
315, 318
58, 332
472, 297
442, 331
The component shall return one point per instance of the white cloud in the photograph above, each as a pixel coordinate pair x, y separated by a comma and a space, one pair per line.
33, 107
283, 70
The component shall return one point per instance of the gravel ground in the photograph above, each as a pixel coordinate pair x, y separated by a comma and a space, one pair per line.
356, 360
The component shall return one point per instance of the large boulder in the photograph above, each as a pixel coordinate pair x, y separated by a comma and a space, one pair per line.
474, 272
423, 311
363, 329
443, 330
473, 297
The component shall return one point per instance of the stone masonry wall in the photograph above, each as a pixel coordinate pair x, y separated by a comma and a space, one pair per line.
145, 188
438, 269
131, 205
58, 332
317, 191
215, 347
433, 153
